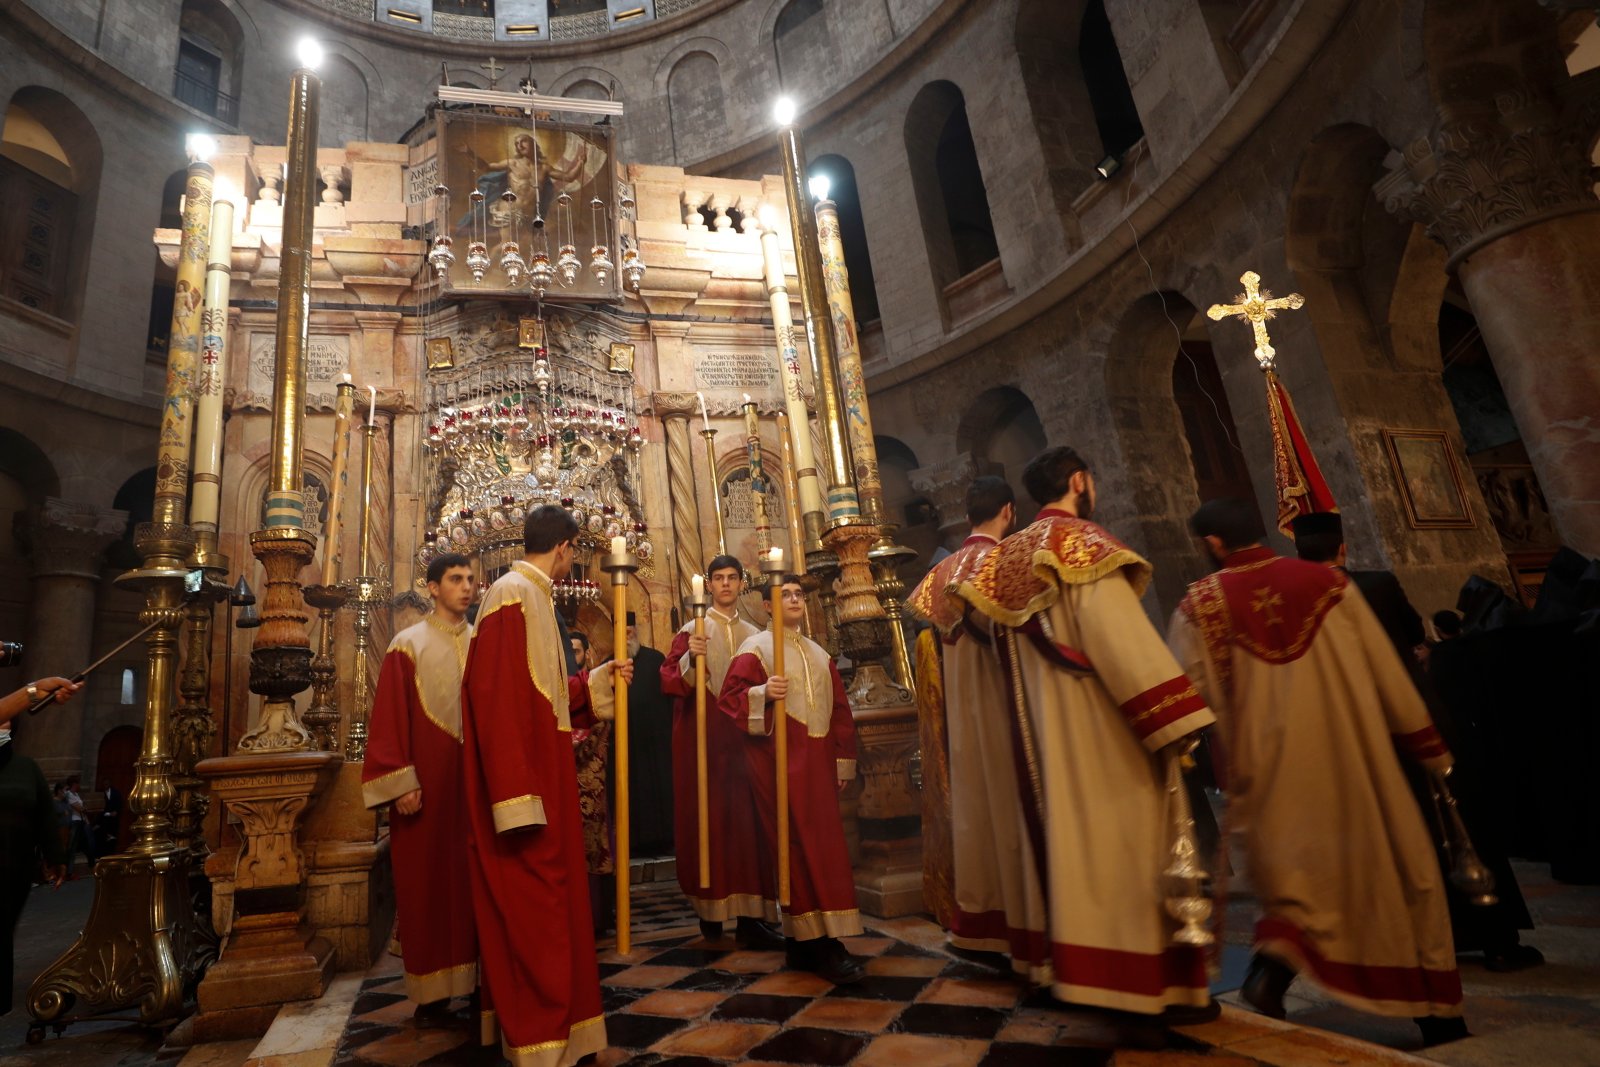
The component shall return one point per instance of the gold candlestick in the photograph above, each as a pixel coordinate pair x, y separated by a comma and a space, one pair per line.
344, 404
710, 437
791, 483
772, 565
758, 475
698, 602
621, 565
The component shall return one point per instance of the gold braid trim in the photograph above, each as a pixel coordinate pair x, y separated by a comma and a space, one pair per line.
1023, 576
1207, 608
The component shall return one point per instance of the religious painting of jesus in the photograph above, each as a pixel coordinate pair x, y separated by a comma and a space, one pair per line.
1429, 480
546, 187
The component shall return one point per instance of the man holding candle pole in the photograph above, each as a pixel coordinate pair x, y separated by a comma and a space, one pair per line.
529, 877
414, 763
735, 882
822, 761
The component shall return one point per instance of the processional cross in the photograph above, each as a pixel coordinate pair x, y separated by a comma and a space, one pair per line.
495, 70
1256, 306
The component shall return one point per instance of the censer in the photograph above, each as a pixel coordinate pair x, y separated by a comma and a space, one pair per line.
1185, 881
1468, 873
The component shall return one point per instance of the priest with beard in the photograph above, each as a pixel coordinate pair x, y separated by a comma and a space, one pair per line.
1097, 700
529, 875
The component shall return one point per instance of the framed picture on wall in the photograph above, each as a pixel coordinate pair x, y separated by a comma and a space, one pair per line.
1429, 479
441, 353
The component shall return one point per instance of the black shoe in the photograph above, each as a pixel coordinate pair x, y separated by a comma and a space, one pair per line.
1265, 985
1438, 1031
830, 960
1189, 1015
710, 931
1515, 958
755, 934
434, 1015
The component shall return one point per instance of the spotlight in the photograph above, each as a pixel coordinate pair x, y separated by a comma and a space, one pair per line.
820, 184
1108, 166
309, 52
783, 110
201, 147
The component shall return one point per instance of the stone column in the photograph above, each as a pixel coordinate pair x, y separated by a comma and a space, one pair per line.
945, 485
1511, 197
675, 410
68, 541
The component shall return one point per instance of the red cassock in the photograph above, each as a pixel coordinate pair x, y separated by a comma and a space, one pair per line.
415, 743
530, 883
735, 889
822, 752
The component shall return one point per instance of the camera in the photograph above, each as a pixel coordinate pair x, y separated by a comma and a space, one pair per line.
10, 653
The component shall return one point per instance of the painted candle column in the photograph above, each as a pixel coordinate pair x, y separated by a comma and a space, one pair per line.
808, 501
758, 475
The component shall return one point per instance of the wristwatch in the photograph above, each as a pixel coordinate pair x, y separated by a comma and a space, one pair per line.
33, 691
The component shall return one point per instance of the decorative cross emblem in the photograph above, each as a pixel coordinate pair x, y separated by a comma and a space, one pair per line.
1267, 603
494, 69
1256, 306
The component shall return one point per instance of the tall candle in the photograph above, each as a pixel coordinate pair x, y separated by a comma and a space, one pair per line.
697, 586
205, 502
619, 546
344, 402
364, 562
705, 419
372, 405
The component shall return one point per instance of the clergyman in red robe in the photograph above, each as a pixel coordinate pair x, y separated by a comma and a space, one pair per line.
822, 761
529, 876
735, 889
414, 763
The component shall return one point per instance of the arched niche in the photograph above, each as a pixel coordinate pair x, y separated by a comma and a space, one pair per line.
948, 181
695, 102
208, 69
852, 234
1002, 431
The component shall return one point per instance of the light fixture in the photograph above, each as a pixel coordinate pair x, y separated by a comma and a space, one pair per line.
783, 110
820, 184
1108, 166
200, 146
309, 51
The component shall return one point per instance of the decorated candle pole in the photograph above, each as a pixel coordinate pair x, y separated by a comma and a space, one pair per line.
773, 566
710, 437
343, 406
698, 603
621, 564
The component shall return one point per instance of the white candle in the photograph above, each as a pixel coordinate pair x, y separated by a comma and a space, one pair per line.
704, 417
372, 405
619, 545
776, 555
697, 585
747, 398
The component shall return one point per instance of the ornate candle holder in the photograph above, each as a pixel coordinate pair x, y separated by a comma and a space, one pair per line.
364, 593
193, 724
322, 717
621, 566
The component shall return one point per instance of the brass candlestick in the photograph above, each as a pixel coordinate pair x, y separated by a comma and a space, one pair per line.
698, 602
322, 717
773, 568
193, 724
621, 565
365, 594
710, 437
887, 557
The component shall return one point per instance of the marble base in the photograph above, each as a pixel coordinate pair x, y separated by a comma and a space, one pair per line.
271, 959
889, 881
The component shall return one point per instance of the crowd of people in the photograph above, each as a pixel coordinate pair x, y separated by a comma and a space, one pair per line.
1074, 726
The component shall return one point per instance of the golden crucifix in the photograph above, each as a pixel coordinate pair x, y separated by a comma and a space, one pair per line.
1256, 306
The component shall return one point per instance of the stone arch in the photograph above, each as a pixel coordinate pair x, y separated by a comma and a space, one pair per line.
696, 104
1046, 40
210, 62
802, 47
1001, 430
50, 162
906, 506
599, 77
947, 178
344, 102
1160, 489
713, 46
852, 233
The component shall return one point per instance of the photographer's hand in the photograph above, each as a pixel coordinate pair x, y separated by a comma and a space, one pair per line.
17, 702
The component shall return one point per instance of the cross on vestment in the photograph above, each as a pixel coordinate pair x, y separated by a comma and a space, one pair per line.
1256, 306
1267, 603
495, 70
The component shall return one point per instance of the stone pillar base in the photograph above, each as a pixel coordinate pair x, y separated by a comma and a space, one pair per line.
271, 959
889, 879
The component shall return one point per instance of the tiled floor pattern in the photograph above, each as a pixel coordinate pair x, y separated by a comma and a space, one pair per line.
679, 1001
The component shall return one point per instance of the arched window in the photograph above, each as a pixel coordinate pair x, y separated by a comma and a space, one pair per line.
804, 47
206, 75
694, 98
587, 89
49, 180
1115, 113
344, 103
852, 234
949, 184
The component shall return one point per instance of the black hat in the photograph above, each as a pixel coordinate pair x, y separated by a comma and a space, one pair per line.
631, 620
1316, 524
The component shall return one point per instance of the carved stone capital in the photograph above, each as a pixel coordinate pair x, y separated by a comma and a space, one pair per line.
68, 538
945, 485
1479, 177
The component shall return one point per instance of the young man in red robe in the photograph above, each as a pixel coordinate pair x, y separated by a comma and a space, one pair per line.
735, 889
529, 878
822, 761
414, 763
